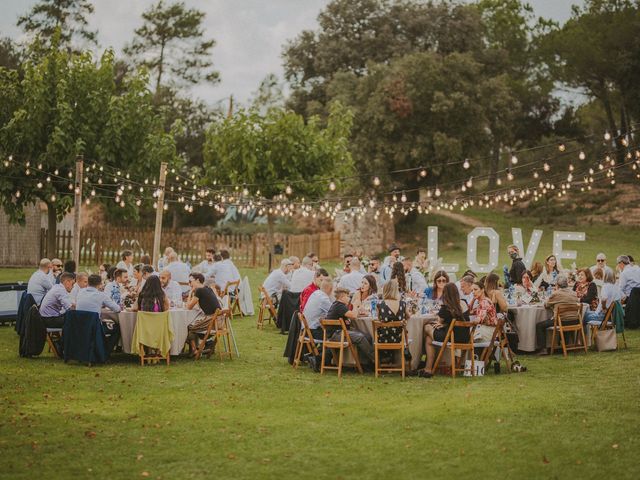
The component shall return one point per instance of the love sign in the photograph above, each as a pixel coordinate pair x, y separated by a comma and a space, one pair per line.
528, 254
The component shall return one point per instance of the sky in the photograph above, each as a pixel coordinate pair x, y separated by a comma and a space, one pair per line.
250, 34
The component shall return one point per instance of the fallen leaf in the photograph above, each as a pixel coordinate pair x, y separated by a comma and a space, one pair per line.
139, 457
145, 474
544, 460
615, 446
90, 434
231, 456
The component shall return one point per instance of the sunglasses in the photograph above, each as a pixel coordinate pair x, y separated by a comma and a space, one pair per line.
601, 260
440, 280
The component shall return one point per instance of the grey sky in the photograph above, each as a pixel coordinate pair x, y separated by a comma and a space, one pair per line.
249, 33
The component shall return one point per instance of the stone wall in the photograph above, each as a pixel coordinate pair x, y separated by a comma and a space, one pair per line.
371, 236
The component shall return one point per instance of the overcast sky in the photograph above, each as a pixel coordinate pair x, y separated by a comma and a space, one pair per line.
249, 33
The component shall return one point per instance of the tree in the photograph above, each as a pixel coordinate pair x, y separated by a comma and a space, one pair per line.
279, 149
69, 17
170, 42
65, 105
9, 54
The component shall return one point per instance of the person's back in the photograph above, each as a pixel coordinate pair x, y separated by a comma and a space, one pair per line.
90, 299
152, 298
40, 282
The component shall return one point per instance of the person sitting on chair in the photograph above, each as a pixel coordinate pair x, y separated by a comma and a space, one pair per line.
278, 281
57, 301
152, 298
561, 294
320, 275
316, 309
207, 301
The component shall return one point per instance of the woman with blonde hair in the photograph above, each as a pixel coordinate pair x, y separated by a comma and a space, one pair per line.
391, 309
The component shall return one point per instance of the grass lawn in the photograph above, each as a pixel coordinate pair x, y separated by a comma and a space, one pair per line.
256, 417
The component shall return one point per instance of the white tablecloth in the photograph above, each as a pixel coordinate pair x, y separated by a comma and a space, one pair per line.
180, 320
526, 319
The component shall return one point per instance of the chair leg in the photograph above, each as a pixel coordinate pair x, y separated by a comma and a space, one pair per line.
356, 357
324, 352
624, 340
376, 357
563, 343
553, 340
453, 361
340, 358
297, 355
584, 340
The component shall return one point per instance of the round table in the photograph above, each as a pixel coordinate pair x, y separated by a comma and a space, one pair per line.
415, 333
180, 320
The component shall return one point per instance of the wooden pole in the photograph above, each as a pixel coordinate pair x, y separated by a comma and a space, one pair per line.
159, 211
77, 204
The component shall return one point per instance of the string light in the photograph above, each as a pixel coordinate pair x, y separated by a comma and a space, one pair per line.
466, 164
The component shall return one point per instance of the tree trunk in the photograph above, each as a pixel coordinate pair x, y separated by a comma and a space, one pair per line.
495, 164
269, 238
52, 223
160, 66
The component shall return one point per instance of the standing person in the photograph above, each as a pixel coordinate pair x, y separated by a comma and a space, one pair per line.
415, 279
352, 280
82, 281
320, 275
207, 266
450, 310
226, 272
152, 298
41, 281
518, 267
57, 301
278, 281
179, 271
549, 273
126, 263
394, 256
303, 276
601, 262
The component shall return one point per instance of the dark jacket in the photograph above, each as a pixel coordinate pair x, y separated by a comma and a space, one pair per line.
517, 270
34, 333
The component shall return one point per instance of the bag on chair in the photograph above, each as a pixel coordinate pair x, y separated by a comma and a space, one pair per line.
606, 340
478, 365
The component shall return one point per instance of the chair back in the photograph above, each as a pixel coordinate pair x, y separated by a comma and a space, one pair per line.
83, 337
472, 329
567, 312
154, 330
325, 323
227, 288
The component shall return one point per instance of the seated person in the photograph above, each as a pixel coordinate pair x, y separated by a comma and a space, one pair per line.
82, 281
207, 301
493, 293
171, 288
450, 310
586, 289
320, 275
368, 288
41, 281
152, 297
316, 308
482, 311
609, 294
561, 294
115, 287
91, 299
57, 301
278, 281
440, 279
303, 276
415, 279
392, 308
465, 290
352, 280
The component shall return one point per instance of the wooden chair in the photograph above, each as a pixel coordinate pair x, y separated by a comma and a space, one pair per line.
305, 340
595, 326
223, 334
155, 355
339, 345
203, 336
389, 347
54, 335
452, 345
266, 306
500, 342
561, 311
234, 299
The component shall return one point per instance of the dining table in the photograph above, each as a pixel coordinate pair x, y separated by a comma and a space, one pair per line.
180, 320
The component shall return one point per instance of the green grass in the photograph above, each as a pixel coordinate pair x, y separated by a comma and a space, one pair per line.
256, 417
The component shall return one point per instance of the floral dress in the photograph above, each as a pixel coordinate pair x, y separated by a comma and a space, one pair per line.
385, 314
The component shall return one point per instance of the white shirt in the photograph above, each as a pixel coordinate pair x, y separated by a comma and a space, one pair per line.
39, 284
276, 282
129, 268
225, 272
351, 280
74, 292
179, 273
173, 291
316, 308
610, 293
301, 279
416, 282
91, 299
629, 279
207, 268
605, 269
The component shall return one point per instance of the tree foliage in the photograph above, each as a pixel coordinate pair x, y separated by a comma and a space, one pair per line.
170, 44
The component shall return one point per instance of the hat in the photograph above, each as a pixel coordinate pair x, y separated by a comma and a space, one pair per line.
393, 247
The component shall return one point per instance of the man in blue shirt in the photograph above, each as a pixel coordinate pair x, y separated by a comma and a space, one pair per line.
91, 299
57, 301
40, 282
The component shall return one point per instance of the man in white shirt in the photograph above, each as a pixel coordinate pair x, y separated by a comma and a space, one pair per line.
171, 288
415, 279
295, 264
164, 260
226, 272
317, 307
352, 280
629, 275
302, 276
179, 271
207, 266
601, 262
127, 264
277, 281
40, 282
394, 256
82, 281
91, 299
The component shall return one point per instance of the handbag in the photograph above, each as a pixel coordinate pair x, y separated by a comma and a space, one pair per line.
606, 340
478, 365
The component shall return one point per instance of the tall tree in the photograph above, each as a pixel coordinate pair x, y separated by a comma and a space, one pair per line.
9, 54
279, 149
171, 43
70, 17
67, 104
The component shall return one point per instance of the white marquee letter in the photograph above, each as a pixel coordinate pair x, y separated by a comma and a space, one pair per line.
558, 238
472, 249
529, 254
432, 253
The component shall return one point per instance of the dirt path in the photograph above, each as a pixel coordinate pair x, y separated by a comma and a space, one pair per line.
458, 217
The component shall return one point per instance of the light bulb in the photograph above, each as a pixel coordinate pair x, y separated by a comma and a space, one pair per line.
546, 167
607, 136
582, 156
466, 164
288, 190
376, 181
562, 147
514, 160
423, 173
403, 198
332, 186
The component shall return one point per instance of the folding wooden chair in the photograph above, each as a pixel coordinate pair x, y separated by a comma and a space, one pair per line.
398, 347
451, 344
203, 336
223, 334
234, 297
596, 326
499, 342
339, 345
54, 335
305, 340
266, 306
561, 311
155, 354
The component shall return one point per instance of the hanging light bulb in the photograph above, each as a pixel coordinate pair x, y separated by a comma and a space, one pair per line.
582, 155
546, 167
514, 160
466, 164
607, 136
536, 174
562, 147
423, 173
403, 198
39, 185
332, 186
438, 192
53, 198
288, 190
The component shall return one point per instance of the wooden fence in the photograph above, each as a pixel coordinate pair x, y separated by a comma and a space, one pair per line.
247, 250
